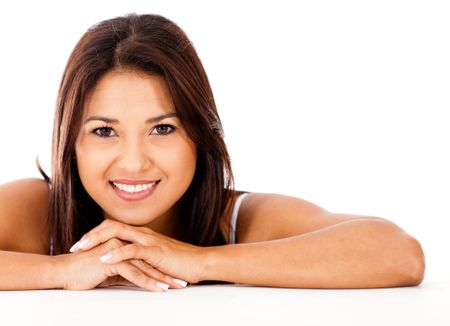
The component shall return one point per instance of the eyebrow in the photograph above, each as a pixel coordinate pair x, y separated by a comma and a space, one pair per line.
149, 120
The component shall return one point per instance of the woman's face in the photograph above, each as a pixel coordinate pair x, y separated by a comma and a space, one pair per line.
122, 149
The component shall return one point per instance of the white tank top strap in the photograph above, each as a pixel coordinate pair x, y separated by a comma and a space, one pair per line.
51, 246
234, 216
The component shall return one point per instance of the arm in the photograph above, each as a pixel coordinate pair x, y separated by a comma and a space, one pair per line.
290, 242
285, 242
83, 271
24, 264
26, 271
360, 253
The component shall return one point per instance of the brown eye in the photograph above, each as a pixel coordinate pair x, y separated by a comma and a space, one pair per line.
164, 129
104, 132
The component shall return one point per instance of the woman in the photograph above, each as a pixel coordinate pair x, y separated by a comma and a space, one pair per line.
142, 192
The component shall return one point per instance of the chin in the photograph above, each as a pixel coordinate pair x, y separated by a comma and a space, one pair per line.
127, 218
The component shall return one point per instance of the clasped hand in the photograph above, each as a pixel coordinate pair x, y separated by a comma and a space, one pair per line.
143, 257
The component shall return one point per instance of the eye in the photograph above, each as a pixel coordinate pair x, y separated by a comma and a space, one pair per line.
104, 132
164, 129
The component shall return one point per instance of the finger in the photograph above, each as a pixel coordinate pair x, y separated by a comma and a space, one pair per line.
152, 255
85, 238
157, 275
111, 230
137, 277
98, 228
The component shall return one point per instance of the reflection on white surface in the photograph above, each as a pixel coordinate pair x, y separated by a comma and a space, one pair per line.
229, 305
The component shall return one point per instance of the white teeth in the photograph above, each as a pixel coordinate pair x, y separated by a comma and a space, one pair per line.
133, 188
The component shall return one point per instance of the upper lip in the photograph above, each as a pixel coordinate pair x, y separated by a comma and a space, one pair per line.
133, 182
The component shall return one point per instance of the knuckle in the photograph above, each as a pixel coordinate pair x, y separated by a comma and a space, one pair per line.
157, 250
147, 242
113, 243
146, 230
134, 249
114, 225
143, 281
130, 272
109, 270
135, 272
116, 242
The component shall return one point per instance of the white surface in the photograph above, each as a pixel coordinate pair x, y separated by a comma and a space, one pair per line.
343, 103
230, 305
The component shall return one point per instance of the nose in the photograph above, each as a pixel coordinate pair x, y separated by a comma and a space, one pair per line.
133, 156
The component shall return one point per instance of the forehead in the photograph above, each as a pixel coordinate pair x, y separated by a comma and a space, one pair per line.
119, 90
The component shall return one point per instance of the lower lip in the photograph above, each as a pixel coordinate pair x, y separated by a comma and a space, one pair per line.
133, 196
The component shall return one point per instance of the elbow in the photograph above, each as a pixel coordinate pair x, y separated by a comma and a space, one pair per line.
407, 259
412, 269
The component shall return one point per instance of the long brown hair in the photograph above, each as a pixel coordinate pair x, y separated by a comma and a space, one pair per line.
154, 45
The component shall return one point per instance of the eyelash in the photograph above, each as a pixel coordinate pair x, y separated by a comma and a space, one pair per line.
96, 131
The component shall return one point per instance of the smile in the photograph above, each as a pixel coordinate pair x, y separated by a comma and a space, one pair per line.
133, 188
133, 192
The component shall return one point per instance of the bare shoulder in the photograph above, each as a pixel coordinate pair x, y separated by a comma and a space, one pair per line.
266, 216
23, 216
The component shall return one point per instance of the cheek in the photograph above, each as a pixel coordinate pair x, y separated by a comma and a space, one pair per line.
91, 164
179, 163
189, 164
88, 166
188, 159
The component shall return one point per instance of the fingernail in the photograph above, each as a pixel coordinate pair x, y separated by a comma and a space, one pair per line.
105, 257
82, 243
163, 286
74, 247
180, 282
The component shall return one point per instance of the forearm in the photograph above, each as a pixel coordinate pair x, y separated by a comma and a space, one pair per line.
354, 254
25, 271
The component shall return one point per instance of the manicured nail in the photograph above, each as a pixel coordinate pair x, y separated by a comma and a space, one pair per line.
74, 248
79, 245
82, 243
105, 257
180, 282
163, 286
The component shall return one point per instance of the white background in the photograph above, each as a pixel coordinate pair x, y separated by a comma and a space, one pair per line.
343, 103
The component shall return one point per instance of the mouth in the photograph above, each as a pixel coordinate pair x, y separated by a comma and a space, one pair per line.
134, 190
